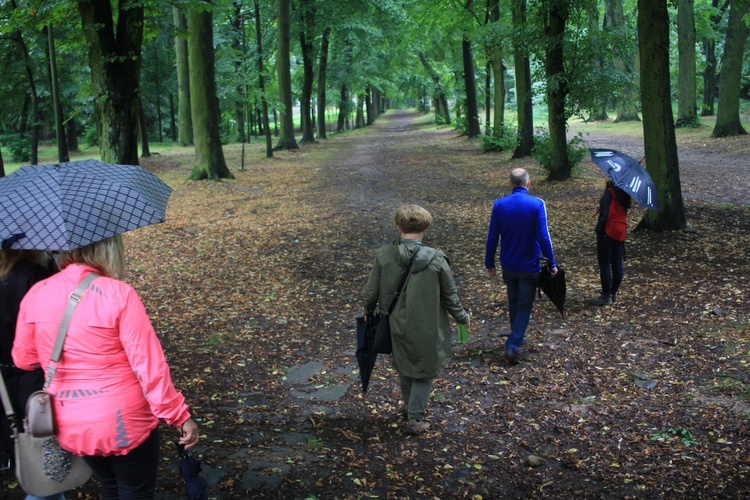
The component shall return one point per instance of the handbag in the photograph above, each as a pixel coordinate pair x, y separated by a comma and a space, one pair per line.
382, 324
43, 468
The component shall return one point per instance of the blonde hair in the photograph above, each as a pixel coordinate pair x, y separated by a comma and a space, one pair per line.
107, 256
411, 218
9, 258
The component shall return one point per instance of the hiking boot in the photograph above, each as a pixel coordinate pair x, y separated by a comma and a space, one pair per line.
511, 356
603, 300
415, 427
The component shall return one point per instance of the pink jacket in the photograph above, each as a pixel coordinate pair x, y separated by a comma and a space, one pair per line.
112, 383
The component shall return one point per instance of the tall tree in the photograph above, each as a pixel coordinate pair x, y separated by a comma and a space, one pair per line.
442, 110
687, 108
286, 138
728, 112
523, 82
184, 114
556, 16
498, 71
209, 155
470, 85
306, 37
62, 143
625, 64
660, 143
262, 80
33, 94
322, 69
114, 42
710, 78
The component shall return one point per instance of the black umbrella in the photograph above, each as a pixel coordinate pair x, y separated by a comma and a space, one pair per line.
70, 205
628, 175
366, 348
553, 287
196, 487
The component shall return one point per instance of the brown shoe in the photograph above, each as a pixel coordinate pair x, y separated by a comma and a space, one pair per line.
415, 427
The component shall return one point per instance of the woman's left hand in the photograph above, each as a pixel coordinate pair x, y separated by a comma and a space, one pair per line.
189, 433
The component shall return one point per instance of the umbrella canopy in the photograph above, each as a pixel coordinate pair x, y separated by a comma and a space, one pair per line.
628, 175
70, 205
366, 348
196, 487
554, 287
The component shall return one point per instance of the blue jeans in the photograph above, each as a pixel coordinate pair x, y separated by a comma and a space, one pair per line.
521, 293
131, 476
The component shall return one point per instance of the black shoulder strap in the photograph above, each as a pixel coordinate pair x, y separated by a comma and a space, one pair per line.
404, 277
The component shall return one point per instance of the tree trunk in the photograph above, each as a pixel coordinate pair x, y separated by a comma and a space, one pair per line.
658, 123
599, 112
184, 114
35, 117
209, 156
71, 135
172, 122
262, 82
145, 151
237, 22
728, 112
2, 164
557, 90
359, 121
115, 60
322, 68
442, 112
498, 74
306, 37
710, 79
523, 85
472, 108
62, 143
687, 109
627, 102
343, 109
286, 139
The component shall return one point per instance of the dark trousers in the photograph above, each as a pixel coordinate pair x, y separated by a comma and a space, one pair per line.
610, 254
521, 289
131, 476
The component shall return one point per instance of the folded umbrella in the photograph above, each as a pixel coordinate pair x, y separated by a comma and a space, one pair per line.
196, 487
553, 287
628, 175
70, 205
366, 348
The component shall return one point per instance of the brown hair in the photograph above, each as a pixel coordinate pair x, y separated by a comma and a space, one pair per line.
107, 256
9, 258
411, 218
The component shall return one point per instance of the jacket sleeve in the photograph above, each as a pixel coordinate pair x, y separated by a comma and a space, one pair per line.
372, 288
493, 238
604, 202
24, 352
146, 357
449, 293
543, 237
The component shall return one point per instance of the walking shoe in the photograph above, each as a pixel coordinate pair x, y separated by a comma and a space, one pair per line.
614, 298
602, 300
511, 356
415, 427
403, 410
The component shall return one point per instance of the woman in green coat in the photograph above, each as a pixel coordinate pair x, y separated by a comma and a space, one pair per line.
420, 327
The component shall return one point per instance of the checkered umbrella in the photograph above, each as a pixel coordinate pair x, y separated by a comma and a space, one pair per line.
70, 205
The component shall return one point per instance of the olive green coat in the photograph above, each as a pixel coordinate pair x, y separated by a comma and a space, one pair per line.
419, 323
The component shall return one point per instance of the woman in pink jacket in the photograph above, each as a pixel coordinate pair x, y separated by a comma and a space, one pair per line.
112, 385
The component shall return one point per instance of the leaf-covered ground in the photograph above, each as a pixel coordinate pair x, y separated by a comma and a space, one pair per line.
253, 285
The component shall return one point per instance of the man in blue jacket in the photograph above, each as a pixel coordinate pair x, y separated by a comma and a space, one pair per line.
519, 224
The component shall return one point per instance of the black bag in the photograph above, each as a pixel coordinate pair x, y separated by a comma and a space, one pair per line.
382, 322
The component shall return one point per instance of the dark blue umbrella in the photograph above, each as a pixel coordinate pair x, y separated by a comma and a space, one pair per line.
628, 175
196, 487
70, 205
366, 353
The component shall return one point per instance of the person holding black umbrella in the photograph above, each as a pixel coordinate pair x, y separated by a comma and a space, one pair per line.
420, 329
611, 230
519, 224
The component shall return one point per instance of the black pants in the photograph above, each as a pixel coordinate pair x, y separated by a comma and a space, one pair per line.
610, 254
131, 476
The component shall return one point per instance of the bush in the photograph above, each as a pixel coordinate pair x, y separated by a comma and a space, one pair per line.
504, 139
577, 150
91, 137
20, 150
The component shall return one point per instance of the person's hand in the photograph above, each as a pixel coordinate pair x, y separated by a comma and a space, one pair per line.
491, 272
189, 432
468, 324
553, 272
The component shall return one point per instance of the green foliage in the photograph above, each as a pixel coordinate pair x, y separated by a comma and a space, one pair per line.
503, 139
461, 124
91, 137
675, 433
542, 153
19, 149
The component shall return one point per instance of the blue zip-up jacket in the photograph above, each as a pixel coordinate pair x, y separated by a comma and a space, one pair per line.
519, 224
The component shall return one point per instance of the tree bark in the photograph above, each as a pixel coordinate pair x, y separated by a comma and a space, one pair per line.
442, 113
498, 75
687, 108
209, 155
62, 144
658, 123
34, 96
115, 60
184, 114
710, 78
237, 22
286, 139
627, 102
728, 111
306, 36
145, 150
262, 82
472, 108
557, 90
343, 119
523, 84
322, 69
